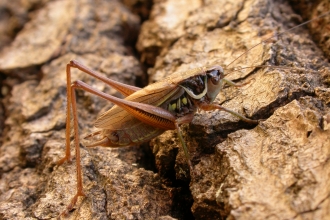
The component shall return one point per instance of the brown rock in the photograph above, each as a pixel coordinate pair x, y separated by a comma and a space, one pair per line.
276, 169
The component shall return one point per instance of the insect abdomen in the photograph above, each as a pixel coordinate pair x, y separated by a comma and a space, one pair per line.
181, 106
129, 137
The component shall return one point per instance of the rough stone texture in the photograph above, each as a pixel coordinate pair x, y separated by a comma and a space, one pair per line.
40, 38
320, 27
32, 186
276, 169
281, 167
13, 16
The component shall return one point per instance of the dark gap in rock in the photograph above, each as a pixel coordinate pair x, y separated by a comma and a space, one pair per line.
309, 133
142, 10
181, 194
182, 203
147, 160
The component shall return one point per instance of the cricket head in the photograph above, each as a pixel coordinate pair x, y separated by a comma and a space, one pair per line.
207, 84
215, 76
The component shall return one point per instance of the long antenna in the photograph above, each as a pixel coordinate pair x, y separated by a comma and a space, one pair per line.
279, 34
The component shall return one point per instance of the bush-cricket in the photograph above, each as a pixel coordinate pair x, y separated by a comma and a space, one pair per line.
148, 112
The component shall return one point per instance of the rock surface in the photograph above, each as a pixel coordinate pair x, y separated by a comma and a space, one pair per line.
276, 169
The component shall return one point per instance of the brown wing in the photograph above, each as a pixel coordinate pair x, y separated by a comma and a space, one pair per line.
155, 94
119, 119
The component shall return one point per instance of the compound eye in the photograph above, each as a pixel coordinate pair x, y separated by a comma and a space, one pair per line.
216, 75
